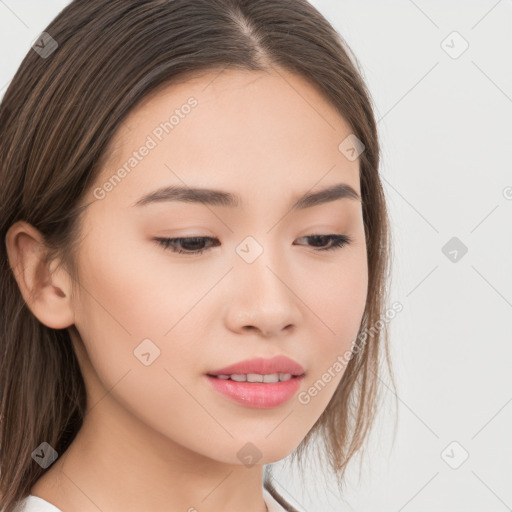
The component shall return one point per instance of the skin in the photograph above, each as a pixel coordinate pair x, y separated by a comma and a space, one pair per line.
158, 437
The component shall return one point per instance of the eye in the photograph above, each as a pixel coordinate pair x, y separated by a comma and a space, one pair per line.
195, 245
337, 241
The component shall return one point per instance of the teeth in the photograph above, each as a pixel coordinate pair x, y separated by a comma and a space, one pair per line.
257, 377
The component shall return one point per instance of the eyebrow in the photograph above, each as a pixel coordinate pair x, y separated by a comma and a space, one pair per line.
222, 198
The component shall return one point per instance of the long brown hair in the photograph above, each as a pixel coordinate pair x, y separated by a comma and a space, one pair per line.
57, 118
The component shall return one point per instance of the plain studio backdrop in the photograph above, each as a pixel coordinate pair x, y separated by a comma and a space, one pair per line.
440, 74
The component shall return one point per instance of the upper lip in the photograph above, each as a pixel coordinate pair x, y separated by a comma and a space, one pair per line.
260, 365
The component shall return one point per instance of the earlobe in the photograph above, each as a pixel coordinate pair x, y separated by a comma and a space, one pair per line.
46, 287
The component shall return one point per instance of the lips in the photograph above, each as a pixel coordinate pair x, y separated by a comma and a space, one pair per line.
257, 395
275, 365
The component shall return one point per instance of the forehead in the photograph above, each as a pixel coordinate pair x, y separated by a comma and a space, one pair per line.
230, 127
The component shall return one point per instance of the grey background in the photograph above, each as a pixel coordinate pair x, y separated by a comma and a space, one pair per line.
446, 135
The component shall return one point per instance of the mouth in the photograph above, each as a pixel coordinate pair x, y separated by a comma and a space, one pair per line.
258, 382
257, 377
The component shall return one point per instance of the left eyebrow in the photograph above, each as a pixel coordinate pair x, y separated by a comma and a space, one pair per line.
222, 198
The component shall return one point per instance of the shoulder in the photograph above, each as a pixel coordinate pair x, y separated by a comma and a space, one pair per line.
36, 504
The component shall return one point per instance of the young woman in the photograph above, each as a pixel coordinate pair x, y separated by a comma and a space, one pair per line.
196, 256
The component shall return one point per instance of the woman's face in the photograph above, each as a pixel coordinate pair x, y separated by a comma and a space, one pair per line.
155, 322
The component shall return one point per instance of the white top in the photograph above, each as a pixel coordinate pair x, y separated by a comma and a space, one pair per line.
37, 504
271, 503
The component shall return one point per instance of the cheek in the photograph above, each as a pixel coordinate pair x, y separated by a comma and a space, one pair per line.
337, 300
130, 287
337, 297
126, 303
130, 292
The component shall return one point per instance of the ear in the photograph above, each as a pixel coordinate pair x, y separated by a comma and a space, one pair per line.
45, 288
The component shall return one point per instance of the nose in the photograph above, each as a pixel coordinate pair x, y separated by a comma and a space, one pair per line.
262, 298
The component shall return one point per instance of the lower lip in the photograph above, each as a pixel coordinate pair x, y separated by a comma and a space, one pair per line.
257, 394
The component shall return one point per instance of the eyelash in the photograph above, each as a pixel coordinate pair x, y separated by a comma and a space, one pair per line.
339, 241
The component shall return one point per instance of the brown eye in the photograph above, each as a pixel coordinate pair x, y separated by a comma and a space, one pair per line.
336, 241
191, 245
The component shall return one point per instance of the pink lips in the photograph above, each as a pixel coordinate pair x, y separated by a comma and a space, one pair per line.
277, 364
259, 394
